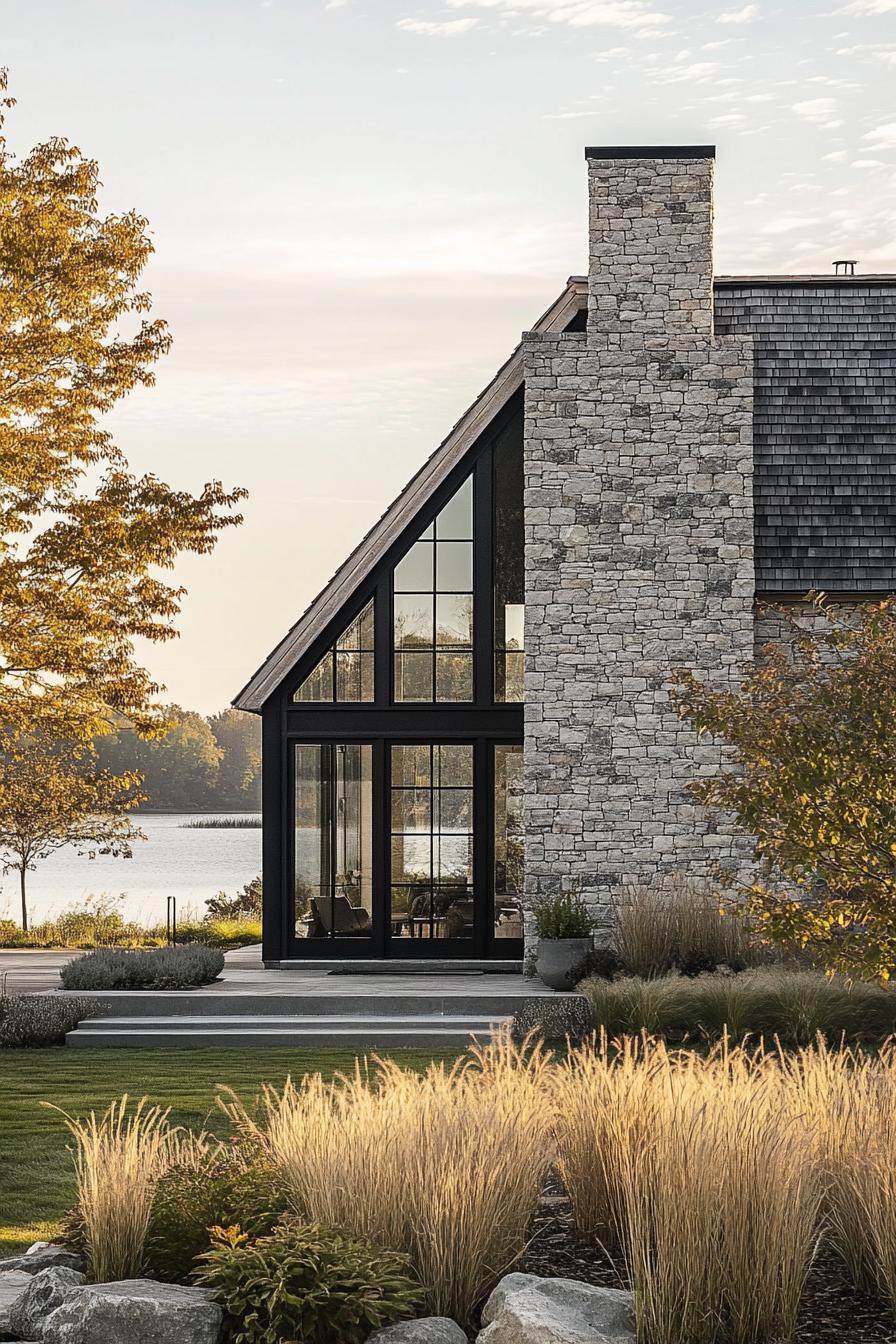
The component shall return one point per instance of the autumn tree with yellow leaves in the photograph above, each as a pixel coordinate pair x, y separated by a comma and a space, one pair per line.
812, 777
84, 543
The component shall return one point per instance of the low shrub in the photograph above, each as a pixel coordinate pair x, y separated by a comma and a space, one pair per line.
223, 933
94, 924
98, 924
794, 1006
563, 915
553, 1018
305, 1283
680, 924
37, 1020
246, 904
190, 1199
158, 968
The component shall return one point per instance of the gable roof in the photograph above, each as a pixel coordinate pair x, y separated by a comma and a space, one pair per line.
420, 488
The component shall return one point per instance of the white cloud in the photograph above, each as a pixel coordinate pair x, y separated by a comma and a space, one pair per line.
819, 111
634, 14
787, 224
745, 15
870, 7
888, 57
836, 156
450, 28
883, 137
868, 163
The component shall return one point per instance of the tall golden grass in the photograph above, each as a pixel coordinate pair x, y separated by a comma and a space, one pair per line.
446, 1165
696, 1169
119, 1157
710, 1178
849, 1099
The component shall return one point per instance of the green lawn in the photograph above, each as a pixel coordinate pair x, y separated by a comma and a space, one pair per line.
36, 1185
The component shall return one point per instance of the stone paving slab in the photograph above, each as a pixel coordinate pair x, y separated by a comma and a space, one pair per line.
31, 971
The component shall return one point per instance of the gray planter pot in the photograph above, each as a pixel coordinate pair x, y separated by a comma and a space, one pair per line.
560, 958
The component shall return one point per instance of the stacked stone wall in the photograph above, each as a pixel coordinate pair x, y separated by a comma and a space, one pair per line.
639, 539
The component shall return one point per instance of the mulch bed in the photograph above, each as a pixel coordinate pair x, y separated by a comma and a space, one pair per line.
832, 1312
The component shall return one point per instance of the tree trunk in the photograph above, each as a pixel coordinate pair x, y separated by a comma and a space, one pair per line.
22, 872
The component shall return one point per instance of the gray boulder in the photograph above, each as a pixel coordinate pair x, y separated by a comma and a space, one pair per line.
135, 1311
13, 1283
427, 1330
44, 1292
43, 1256
525, 1309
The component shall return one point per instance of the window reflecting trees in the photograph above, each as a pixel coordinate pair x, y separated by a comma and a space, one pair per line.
433, 608
432, 841
333, 850
345, 673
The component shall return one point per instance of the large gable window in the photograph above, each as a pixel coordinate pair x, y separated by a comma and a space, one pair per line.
433, 606
345, 673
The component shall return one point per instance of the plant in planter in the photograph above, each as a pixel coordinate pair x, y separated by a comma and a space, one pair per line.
565, 929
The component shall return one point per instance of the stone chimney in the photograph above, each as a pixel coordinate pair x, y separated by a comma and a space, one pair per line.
639, 536
650, 240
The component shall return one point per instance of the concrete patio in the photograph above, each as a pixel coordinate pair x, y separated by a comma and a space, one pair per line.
248, 1005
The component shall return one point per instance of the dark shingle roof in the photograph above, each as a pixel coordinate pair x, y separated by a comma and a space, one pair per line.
824, 428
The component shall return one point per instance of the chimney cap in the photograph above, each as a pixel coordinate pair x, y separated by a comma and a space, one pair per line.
848, 267
650, 151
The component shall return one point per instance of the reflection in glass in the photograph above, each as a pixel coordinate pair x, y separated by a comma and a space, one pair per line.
454, 566
508, 875
433, 608
333, 827
345, 673
509, 562
432, 841
455, 522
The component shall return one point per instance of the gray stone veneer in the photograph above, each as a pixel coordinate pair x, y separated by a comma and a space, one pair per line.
639, 538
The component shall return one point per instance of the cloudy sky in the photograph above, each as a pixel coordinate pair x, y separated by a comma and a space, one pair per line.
358, 205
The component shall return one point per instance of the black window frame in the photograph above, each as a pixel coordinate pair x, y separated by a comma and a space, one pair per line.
384, 721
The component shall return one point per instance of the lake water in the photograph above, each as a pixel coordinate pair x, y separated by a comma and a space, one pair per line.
174, 860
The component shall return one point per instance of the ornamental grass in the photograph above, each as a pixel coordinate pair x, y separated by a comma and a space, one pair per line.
446, 1166
702, 1174
119, 1157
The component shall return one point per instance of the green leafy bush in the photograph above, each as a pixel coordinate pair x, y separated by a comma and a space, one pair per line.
246, 904
224, 933
157, 968
306, 1284
39, 1019
188, 1200
794, 1006
563, 915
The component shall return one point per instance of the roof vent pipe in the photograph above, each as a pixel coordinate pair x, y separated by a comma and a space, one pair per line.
844, 268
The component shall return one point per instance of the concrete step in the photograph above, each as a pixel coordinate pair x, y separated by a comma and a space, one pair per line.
407, 966
432, 1001
238, 1031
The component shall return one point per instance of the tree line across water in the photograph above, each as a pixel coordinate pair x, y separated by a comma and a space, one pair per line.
202, 764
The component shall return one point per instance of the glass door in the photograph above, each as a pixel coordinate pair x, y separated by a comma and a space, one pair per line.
431, 813
333, 841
